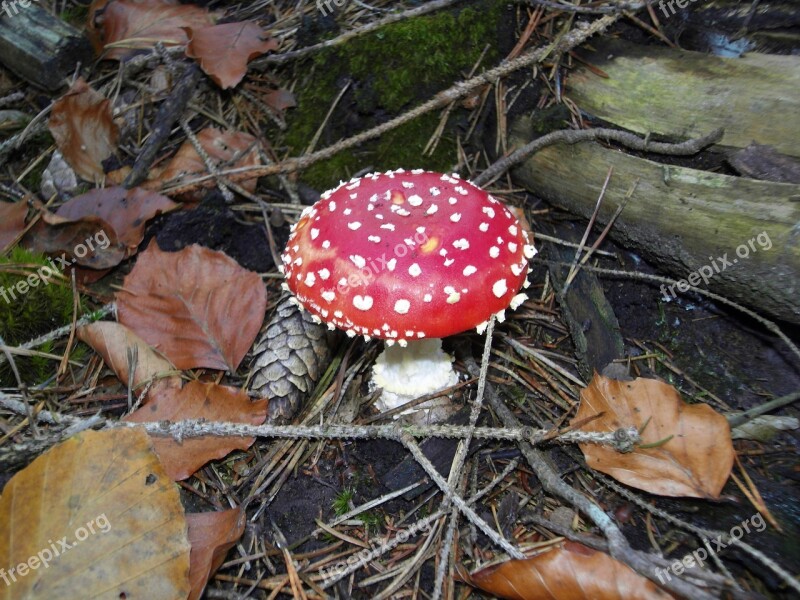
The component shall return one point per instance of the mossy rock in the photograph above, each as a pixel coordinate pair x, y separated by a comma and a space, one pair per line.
32, 302
390, 71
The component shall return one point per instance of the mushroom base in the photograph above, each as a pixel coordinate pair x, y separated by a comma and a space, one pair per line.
421, 368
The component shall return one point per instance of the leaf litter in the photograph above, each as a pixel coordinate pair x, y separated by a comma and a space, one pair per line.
195, 312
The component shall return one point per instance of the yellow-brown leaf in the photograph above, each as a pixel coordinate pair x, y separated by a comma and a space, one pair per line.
570, 571
107, 496
692, 452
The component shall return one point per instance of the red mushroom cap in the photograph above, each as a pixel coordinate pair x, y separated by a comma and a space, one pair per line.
406, 255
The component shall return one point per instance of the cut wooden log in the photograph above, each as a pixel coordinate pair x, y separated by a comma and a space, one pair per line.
681, 94
736, 236
39, 47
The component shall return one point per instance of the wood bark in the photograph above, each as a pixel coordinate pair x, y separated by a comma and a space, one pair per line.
682, 94
39, 47
686, 221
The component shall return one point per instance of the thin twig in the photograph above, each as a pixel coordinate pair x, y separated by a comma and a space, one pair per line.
738, 419
589, 225
571, 136
279, 59
457, 91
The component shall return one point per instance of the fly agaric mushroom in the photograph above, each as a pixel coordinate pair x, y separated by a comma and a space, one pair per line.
408, 257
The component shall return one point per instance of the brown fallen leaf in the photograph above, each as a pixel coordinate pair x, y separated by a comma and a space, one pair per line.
113, 341
87, 242
691, 454
229, 149
96, 517
84, 130
279, 100
196, 306
12, 221
224, 50
197, 400
121, 28
268, 90
127, 211
568, 571
211, 534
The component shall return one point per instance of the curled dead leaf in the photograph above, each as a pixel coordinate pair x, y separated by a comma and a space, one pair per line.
87, 242
686, 449
121, 28
12, 221
114, 341
569, 570
229, 149
211, 534
126, 210
84, 130
198, 400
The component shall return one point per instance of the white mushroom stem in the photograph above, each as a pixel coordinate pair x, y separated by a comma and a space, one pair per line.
421, 368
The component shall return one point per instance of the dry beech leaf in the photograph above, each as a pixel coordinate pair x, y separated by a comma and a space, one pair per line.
105, 494
127, 211
124, 27
87, 242
569, 571
84, 130
12, 221
224, 50
279, 100
113, 340
231, 149
197, 400
693, 453
197, 306
211, 534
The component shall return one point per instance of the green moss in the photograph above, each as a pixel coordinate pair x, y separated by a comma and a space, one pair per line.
28, 311
341, 503
389, 71
75, 15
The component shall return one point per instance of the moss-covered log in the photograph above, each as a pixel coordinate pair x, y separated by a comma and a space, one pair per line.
681, 94
39, 47
738, 237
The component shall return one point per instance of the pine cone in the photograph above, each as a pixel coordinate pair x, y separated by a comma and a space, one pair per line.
288, 359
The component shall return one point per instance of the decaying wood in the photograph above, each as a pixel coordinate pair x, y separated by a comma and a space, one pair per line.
592, 323
167, 116
683, 94
762, 162
687, 221
39, 47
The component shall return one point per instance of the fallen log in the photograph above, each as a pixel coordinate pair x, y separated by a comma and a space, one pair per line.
681, 94
38, 47
736, 236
